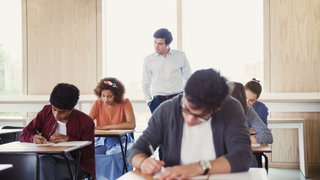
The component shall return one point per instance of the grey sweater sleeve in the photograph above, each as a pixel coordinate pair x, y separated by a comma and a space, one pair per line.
152, 135
263, 134
236, 136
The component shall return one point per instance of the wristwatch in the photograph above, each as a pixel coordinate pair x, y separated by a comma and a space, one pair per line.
206, 166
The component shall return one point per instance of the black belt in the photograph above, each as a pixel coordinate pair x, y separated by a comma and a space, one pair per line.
166, 97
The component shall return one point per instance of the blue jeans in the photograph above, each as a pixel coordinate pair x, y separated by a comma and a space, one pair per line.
53, 168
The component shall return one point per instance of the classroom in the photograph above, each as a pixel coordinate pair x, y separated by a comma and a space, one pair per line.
102, 46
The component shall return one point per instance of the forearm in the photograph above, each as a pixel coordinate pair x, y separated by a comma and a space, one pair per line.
220, 165
138, 159
264, 137
125, 125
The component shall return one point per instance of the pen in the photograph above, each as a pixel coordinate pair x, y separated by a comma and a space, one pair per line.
38, 132
153, 155
43, 138
151, 150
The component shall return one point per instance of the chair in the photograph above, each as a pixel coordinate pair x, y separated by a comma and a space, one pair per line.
10, 137
24, 166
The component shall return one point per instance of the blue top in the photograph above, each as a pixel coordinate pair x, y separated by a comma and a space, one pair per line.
262, 111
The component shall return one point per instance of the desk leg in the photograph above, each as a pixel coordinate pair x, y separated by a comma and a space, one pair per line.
76, 167
77, 164
259, 159
266, 161
123, 152
38, 167
69, 166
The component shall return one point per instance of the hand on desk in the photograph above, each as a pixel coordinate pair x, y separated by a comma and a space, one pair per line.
181, 171
58, 138
38, 139
102, 128
151, 166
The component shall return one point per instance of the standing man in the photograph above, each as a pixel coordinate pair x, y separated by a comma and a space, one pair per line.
164, 72
204, 131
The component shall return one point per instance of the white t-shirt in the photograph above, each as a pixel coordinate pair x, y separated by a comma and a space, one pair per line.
62, 128
197, 143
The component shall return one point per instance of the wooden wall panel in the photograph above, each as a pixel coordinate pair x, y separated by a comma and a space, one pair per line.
312, 137
61, 44
285, 146
294, 45
293, 60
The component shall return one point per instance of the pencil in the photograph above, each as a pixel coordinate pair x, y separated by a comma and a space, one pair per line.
151, 150
38, 132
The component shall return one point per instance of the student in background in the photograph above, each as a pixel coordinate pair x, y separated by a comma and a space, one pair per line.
253, 91
262, 132
60, 122
111, 111
203, 131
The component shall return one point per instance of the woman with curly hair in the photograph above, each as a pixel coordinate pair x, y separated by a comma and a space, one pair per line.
111, 111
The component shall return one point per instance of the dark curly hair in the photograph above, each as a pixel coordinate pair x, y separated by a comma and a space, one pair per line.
113, 85
206, 89
165, 34
64, 96
254, 86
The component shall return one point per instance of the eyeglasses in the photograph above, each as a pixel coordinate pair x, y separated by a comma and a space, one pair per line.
188, 113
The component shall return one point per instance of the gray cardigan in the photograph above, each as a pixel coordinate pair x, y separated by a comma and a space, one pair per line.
263, 134
229, 130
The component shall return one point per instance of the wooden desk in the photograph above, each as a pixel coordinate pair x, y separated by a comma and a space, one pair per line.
117, 133
59, 148
253, 173
260, 151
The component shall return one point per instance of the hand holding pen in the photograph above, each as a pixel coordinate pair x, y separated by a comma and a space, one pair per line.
150, 165
39, 139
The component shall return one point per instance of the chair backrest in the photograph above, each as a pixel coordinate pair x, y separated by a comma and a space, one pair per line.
10, 137
24, 166
12, 127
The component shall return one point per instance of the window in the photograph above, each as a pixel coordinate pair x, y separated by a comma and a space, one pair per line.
10, 48
129, 28
226, 35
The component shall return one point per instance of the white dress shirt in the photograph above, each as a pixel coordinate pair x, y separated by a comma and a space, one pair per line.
164, 75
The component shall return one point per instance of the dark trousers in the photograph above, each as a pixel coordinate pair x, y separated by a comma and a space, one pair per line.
155, 103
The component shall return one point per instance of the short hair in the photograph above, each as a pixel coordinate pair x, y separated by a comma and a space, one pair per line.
64, 96
237, 91
165, 34
113, 85
206, 89
254, 86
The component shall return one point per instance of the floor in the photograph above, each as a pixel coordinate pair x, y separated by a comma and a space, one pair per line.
290, 174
